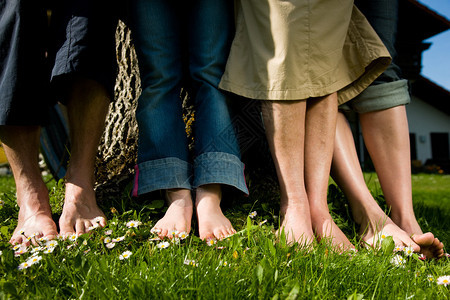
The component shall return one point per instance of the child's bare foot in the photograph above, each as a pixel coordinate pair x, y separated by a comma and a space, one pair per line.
212, 224
35, 217
325, 228
296, 224
80, 212
178, 216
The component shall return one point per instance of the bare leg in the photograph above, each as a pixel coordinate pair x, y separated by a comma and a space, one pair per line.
21, 146
212, 224
320, 132
386, 136
87, 108
179, 214
284, 122
347, 173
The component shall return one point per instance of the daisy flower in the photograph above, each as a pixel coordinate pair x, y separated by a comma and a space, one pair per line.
173, 233
73, 237
155, 230
408, 251
110, 245
225, 264
42, 239
154, 239
21, 251
85, 242
51, 244
94, 226
34, 260
175, 241
125, 255
24, 265
399, 248
16, 247
252, 214
443, 280
398, 261
430, 278
163, 245
49, 250
119, 239
108, 232
183, 235
190, 262
211, 242
382, 236
22, 231
1, 252
133, 224
107, 240
36, 249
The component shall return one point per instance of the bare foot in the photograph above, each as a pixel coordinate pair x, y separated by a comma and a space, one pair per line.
430, 246
296, 224
378, 226
80, 212
35, 218
325, 228
178, 216
212, 224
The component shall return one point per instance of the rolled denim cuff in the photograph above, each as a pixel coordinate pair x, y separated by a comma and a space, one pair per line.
165, 173
381, 96
219, 167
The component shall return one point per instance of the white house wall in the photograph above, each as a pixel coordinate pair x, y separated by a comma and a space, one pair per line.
424, 119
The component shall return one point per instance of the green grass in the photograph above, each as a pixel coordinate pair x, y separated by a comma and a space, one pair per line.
251, 264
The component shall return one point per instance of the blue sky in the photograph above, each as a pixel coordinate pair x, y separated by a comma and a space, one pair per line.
436, 60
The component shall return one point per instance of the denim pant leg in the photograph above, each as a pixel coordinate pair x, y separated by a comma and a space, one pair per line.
217, 153
162, 146
389, 89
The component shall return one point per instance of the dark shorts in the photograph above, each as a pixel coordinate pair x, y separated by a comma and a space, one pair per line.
80, 43
389, 89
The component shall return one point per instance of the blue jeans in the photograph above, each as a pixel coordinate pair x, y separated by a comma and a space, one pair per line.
184, 44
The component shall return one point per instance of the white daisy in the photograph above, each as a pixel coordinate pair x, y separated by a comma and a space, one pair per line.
108, 232
24, 265
163, 245
73, 237
443, 280
125, 255
34, 260
155, 230
110, 245
51, 244
173, 233
211, 242
119, 239
252, 214
133, 224
183, 235
107, 240
398, 261
408, 251
50, 250
399, 248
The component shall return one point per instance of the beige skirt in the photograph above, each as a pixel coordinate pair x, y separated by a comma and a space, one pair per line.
297, 49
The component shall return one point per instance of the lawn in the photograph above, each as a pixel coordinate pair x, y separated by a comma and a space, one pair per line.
251, 264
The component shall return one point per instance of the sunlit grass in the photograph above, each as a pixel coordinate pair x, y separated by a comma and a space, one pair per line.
251, 264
